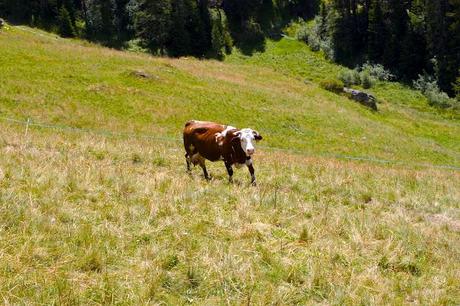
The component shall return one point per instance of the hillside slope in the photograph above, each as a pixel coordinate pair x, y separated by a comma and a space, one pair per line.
88, 219
74, 83
105, 215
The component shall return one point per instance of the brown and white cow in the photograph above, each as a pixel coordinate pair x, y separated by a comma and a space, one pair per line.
213, 141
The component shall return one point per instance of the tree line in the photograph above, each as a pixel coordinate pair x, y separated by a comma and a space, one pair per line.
202, 28
409, 37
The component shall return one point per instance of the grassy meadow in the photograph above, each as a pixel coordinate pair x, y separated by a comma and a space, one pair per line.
87, 218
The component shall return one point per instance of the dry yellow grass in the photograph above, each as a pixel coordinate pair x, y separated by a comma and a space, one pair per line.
88, 219
93, 219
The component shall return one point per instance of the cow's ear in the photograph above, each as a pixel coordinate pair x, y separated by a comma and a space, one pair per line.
237, 134
257, 136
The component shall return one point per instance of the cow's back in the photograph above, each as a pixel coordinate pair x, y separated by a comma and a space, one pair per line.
200, 137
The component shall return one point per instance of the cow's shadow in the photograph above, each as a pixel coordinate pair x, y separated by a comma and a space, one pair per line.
214, 177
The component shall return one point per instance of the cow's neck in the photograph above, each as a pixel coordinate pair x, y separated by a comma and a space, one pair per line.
237, 154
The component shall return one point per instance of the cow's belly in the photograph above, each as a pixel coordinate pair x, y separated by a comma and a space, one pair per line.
212, 155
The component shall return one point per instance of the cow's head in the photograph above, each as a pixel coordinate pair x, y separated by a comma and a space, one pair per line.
246, 138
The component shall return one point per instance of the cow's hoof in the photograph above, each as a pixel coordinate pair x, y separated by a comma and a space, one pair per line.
254, 184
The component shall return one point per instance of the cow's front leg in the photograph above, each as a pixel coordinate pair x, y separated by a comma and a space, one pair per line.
229, 171
251, 171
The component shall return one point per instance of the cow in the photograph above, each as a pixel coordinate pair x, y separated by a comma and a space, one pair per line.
212, 141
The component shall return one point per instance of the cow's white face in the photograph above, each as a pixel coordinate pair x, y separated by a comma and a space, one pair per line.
247, 137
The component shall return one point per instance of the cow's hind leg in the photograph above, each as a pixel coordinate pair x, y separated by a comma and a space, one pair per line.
205, 171
189, 162
189, 152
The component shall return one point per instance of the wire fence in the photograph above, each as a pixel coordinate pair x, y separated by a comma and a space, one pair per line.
30, 123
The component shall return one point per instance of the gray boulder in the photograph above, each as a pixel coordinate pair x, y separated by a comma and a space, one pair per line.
362, 97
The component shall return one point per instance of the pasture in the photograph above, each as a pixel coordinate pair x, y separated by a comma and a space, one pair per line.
93, 218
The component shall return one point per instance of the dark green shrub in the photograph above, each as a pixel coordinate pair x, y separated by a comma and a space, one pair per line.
335, 86
356, 77
366, 80
252, 32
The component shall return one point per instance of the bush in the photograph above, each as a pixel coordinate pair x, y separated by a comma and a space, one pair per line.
425, 83
356, 76
377, 72
328, 48
438, 98
367, 80
314, 41
332, 85
135, 45
429, 87
315, 36
302, 33
346, 76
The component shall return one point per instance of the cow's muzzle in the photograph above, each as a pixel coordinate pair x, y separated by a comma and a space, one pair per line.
250, 152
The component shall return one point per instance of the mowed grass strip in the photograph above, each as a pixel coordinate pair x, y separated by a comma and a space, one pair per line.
87, 219
79, 84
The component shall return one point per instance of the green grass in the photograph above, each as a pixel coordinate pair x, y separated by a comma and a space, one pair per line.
103, 219
69, 82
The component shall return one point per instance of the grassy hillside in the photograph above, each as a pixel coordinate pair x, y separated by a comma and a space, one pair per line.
87, 218
64, 82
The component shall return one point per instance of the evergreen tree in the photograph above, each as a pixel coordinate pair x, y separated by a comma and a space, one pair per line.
66, 28
107, 30
152, 23
396, 30
70, 7
375, 32
453, 47
220, 36
121, 21
414, 57
198, 26
406, 36
180, 38
456, 86
323, 21
342, 31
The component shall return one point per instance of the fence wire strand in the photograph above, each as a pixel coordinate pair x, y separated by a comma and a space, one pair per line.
29, 123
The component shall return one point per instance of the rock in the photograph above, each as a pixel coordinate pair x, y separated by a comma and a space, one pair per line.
2, 23
362, 97
143, 74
